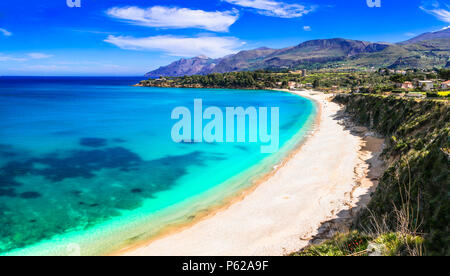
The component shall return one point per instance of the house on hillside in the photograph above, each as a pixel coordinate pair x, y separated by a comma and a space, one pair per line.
301, 72
445, 85
407, 85
426, 85
292, 85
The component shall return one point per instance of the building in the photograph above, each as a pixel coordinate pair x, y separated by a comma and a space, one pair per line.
426, 85
292, 85
407, 85
301, 72
445, 85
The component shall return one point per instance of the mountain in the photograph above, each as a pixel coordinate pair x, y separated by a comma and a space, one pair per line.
319, 51
243, 60
424, 54
442, 34
193, 66
203, 65
419, 52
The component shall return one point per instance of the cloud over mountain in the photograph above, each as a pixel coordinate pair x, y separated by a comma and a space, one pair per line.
211, 46
441, 12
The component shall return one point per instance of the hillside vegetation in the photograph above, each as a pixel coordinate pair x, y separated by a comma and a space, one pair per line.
326, 80
412, 200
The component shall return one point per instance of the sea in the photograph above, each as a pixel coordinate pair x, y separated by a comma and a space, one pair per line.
88, 165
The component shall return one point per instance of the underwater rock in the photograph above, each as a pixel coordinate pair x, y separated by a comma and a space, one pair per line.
30, 195
7, 193
136, 191
93, 142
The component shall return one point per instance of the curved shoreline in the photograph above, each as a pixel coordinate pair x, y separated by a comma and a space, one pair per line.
237, 197
245, 226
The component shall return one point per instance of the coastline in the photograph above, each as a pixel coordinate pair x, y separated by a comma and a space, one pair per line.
241, 226
237, 196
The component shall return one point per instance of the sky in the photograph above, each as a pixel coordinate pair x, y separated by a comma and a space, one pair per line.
132, 37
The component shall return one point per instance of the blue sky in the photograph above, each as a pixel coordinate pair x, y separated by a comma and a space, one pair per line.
131, 37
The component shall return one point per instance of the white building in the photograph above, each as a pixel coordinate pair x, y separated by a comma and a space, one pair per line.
426, 85
445, 85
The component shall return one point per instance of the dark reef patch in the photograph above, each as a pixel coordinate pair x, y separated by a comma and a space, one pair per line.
65, 133
76, 193
94, 201
7, 192
136, 191
94, 142
8, 174
119, 140
243, 148
8, 154
30, 195
85, 163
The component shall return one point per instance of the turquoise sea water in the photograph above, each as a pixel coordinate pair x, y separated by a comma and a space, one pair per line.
88, 166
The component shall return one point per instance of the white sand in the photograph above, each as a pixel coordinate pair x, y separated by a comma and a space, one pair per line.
326, 176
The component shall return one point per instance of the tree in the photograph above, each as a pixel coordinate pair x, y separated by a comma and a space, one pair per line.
444, 74
316, 83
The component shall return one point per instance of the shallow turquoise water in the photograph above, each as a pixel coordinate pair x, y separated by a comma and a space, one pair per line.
90, 161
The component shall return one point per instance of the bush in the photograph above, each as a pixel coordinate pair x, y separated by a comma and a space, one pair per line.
341, 245
356, 244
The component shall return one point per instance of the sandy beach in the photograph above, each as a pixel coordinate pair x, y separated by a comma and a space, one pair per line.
316, 192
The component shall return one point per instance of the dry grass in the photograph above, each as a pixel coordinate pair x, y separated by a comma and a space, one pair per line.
406, 217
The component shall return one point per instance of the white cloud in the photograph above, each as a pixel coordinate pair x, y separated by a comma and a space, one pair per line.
5, 32
29, 56
210, 46
10, 58
39, 55
50, 67
273, 8
436, 9
307, 28
441, 14
176, 18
